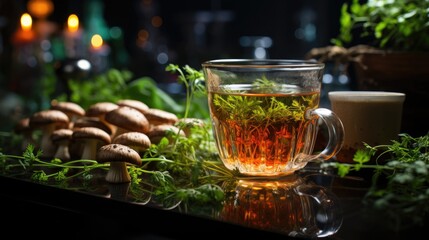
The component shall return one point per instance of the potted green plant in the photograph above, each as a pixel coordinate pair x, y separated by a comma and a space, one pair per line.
400, 25
384, 45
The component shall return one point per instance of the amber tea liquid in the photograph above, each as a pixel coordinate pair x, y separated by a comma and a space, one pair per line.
263, 132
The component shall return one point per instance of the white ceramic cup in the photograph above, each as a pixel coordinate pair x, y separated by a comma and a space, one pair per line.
372, 117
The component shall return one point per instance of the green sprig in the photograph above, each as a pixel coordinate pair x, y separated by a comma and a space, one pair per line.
170, 169
400, 180
192, 79
398, 25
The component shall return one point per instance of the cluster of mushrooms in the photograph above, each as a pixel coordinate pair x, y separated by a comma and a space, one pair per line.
117, 133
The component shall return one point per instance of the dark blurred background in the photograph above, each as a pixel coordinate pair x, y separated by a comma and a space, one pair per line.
189, 32
144, 36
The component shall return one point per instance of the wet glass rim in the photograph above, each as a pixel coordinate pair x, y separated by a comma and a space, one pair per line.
263, 63
359, 96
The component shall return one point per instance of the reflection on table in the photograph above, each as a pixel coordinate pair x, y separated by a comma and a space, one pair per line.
290, 205
308, 204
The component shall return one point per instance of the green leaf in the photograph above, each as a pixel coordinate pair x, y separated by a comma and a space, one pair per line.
343, 170
397, 25
146, 90
362, 156
379, 29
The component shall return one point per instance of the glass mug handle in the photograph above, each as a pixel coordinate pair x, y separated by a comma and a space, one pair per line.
335, 130
327, 216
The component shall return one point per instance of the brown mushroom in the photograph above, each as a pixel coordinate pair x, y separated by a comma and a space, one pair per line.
92, 122
90, 137
118, 155
76, 148
99, 111
61, 138
48, 121
127, 119
171, 132
138, 105
73, 110
159, 117
135, 140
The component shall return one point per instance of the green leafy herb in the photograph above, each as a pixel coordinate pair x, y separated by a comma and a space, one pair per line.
399, 24
193, 81
400, 181
177, 169
115, 85
269, 108
204, 196
264, 85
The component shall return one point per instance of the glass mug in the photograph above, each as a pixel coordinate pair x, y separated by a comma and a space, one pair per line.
293, 206
265, 114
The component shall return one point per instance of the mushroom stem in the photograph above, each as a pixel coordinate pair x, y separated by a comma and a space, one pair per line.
63, 150
48, 148
90, 149
111, 126
118, 155
119, 131
118, 173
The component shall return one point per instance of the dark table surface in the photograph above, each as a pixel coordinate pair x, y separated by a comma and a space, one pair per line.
44, 211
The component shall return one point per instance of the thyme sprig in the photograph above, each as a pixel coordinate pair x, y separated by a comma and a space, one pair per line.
266, 100
192, 79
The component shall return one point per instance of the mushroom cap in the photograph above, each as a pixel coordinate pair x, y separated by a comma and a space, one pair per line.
128, 118
91, 133
61, 134
68, 108
92, 122
50, 116
115, 152
134, 140
100, 108
139, 105
157, 117
157, 132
